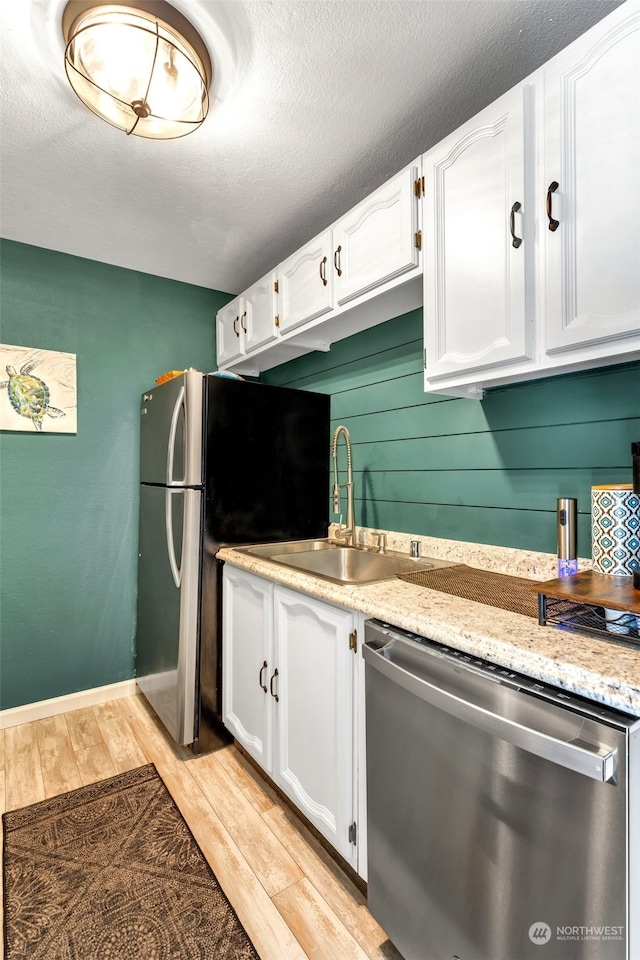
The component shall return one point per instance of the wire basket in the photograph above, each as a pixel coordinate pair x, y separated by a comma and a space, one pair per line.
616, 625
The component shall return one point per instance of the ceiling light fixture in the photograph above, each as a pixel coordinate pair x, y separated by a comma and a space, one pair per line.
141, 66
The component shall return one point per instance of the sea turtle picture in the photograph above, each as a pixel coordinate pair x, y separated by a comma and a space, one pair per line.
29, 395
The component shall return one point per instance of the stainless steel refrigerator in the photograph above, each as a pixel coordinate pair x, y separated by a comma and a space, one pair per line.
222, 461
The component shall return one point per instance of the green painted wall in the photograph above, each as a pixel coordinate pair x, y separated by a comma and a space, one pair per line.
69, 504
488, 471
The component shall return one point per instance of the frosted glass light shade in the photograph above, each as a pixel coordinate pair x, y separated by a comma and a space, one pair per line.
143, 68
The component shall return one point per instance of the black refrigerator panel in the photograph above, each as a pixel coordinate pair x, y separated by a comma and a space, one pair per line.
267, 452
212, 733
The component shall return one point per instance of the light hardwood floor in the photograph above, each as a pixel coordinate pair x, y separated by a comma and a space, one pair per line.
292, 898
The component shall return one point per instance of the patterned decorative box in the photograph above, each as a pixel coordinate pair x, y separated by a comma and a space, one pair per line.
615, 529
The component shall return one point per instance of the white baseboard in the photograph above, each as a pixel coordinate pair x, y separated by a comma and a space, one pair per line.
72, 701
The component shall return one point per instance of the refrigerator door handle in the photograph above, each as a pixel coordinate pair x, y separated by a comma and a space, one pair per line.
176, 571
179, 405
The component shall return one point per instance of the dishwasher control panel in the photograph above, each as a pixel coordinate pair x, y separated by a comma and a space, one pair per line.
378, 633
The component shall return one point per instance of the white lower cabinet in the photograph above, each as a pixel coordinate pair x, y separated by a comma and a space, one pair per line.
314, 730
289, 697
247, 647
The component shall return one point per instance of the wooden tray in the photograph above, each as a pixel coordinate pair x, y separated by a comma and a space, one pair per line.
596, 589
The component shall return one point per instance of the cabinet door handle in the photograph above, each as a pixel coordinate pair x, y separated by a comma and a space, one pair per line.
515, 241
323, 271
274, 675
553, 224
336, 258
235, 326
262, 669
242, 321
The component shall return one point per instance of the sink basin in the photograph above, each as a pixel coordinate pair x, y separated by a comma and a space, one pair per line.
270, 550
340, 564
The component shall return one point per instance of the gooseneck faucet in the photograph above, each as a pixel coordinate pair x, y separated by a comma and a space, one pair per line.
348, 532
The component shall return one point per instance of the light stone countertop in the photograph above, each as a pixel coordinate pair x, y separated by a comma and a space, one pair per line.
607, 672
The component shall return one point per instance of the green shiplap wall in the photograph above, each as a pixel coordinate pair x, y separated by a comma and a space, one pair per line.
69, 503
485, 471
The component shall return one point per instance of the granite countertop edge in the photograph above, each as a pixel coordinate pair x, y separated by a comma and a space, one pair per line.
595, 668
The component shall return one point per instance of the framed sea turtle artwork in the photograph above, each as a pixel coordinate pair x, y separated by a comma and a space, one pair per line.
38, 392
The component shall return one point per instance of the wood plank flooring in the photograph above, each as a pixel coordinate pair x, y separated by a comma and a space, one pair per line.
292, 898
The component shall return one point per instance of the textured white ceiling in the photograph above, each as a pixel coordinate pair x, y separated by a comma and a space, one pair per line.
314, 105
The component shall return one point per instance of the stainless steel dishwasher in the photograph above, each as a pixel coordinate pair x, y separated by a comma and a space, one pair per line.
503, 814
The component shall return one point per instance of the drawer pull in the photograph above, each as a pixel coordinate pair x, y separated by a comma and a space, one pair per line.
515, 241
553, 224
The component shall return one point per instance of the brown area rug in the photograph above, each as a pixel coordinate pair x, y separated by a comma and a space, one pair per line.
112, 872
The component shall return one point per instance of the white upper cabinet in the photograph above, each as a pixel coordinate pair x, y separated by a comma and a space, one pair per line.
247, 322
567, 297
590, 227
478, 247
362, 271
229, 343
260, 313
377, 240
305, 283
522, 241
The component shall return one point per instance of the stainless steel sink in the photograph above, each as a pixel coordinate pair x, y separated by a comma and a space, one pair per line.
340, 564
270, 550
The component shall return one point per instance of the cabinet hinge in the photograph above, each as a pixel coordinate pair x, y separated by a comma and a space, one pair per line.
418, 187
418, 239
353, 833
276, 320
275, 286
353, 641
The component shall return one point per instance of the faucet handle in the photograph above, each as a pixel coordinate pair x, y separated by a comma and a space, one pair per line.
382, 542
414, 550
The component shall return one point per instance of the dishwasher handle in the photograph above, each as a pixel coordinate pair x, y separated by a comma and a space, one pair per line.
598, 765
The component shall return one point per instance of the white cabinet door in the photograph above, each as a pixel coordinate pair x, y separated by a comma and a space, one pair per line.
248, 669
229, 343
247, 322
259, 308
377, 240
305, 283
591, 185
314, 762
478, 242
